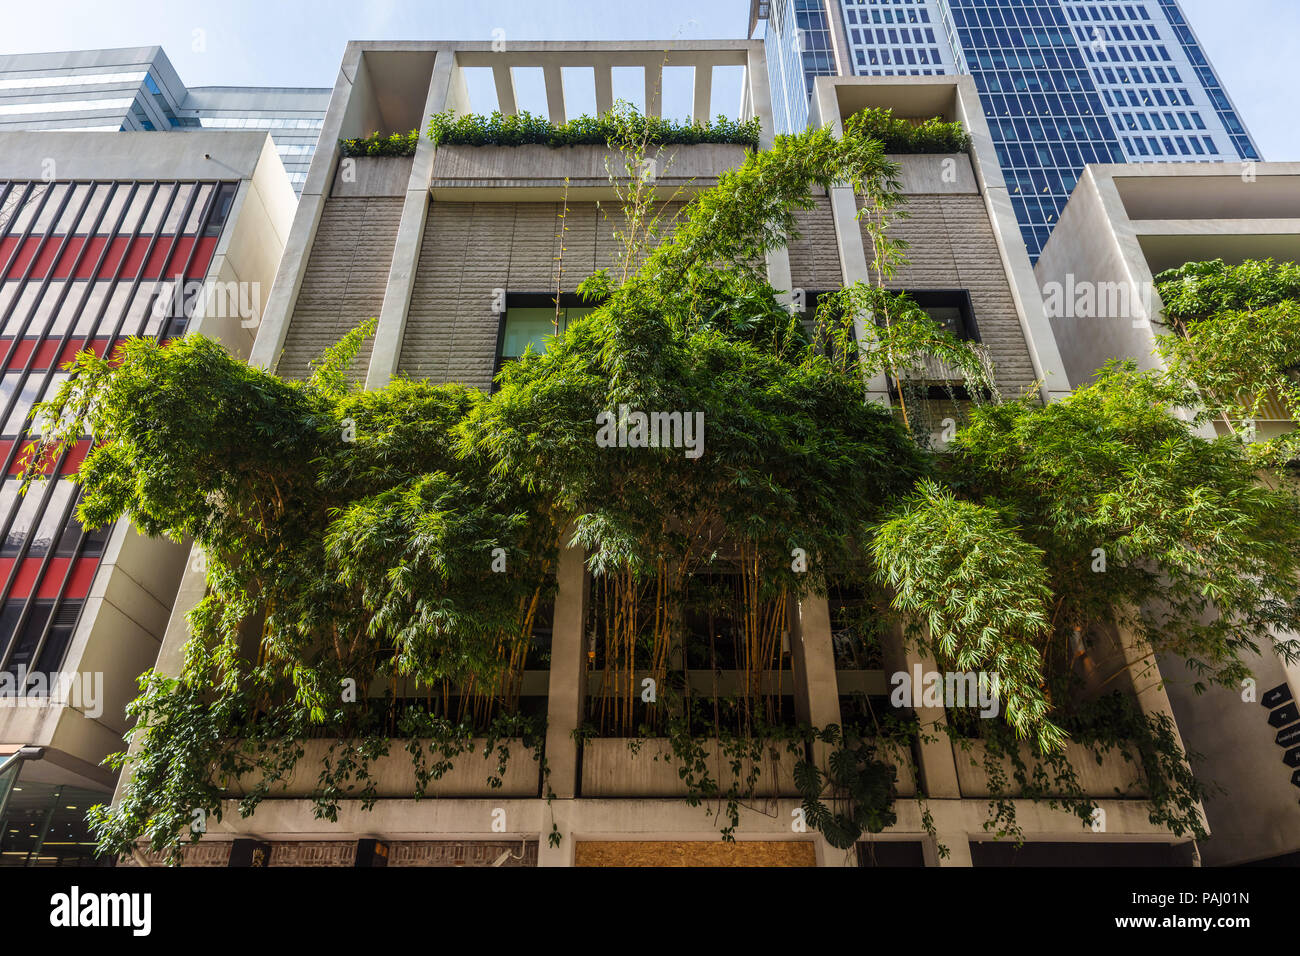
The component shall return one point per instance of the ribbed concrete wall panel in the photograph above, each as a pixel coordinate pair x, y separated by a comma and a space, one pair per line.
470, 250
952, 247
345, 280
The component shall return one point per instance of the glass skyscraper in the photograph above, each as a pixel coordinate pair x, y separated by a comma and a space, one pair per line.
1064, 82
137, 88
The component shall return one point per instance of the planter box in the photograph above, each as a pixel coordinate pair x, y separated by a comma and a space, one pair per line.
360, 176
395, 774
931, 173
611, 769
457, 168
1113, 777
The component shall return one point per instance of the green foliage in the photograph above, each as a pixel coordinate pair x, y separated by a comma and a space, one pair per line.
855, 793
379, 144
1104, 727
1200, 557
621, 123
1237, 338
980, 593
898, 135
1202, 290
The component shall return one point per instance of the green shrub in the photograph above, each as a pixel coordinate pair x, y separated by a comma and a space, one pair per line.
378, 144
617, 126
903, 136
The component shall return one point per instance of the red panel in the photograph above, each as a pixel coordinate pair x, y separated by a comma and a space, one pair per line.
76, 455
124, 256
78, 585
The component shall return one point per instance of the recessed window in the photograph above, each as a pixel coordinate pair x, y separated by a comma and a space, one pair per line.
531, 319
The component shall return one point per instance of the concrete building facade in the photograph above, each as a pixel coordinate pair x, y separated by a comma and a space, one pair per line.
424, 243
1123, 227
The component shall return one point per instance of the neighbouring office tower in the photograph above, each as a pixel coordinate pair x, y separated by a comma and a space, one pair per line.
454, 250
103, 237
1123, 227
138, 89
1064, 82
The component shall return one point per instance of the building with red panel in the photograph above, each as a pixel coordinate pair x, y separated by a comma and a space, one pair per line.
103, 237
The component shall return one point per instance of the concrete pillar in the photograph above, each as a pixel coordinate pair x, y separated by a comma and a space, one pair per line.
604, 87
504, 79
387, 350
816, 690
817, 695
937, 758
757, 96
564, 815
703, 93
828, 855
958, 847
566, 692
553, 77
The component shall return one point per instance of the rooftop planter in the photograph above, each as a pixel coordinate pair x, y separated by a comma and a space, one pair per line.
375, 165
900, 135
527, 150
933, 156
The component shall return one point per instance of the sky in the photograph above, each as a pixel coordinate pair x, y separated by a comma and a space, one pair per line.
1253, 44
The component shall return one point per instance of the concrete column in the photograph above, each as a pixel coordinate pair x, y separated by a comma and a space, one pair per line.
816, 690
553, 77
387, 351
505, 84
757, 95
936, 759
957, 845
828, 855
566, 693
604, 87
703, 92
817, 695
564, 814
